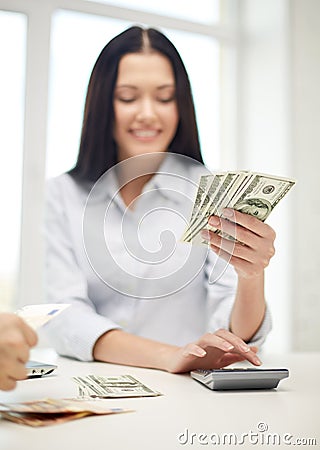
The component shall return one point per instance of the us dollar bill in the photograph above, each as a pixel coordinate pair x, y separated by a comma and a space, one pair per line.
205, 195
97, 386
204, 180
252, 193
222, 187
261, 195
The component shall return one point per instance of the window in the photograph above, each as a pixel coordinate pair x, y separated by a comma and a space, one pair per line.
12, 89
71, 61
180, 9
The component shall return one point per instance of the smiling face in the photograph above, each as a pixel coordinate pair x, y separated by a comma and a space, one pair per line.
145, 108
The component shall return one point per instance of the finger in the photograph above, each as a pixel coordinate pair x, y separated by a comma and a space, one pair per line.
242, 356
194, 350
253, 358
14, 365
238, 263
236, 341
241, 234
231, 247
250, 222
7, 383
254, 349
248, 268
18, 349
17, 371
23, 354
228, 359
29, 334
14, 346
213, 340
231, 358
240, 346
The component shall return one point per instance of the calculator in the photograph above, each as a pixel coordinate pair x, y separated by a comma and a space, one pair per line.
240, 378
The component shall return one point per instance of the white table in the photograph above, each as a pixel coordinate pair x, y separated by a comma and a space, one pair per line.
187, 415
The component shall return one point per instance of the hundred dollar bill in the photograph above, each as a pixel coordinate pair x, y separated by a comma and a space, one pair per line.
251, 193
261, 195
112, 387
51, 411
229, 188
38, 315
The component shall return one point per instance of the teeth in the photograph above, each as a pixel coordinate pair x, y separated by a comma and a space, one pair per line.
145, 133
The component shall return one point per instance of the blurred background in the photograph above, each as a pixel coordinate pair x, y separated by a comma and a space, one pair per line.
254, 67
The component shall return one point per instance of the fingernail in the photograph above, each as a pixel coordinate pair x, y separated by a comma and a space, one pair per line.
205, 234
227, 212
214, 221
257, 361
200, 352
196, 352
228, 346
244, 348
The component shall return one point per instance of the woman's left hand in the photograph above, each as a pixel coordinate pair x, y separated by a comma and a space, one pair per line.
250, 254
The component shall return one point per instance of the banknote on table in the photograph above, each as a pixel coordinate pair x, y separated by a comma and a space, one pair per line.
249, 192
112, 387
50, 411
38, 315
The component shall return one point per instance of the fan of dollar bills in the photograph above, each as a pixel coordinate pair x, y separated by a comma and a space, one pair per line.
249, 192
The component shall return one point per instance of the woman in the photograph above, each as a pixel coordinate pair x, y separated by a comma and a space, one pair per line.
139, 296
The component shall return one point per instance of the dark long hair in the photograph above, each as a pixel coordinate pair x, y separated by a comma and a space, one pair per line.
98, 150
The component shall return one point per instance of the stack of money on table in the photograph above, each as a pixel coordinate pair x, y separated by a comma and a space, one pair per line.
93, 389
50, 411
120, 386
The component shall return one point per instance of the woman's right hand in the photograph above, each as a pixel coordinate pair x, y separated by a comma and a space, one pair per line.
211, 351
